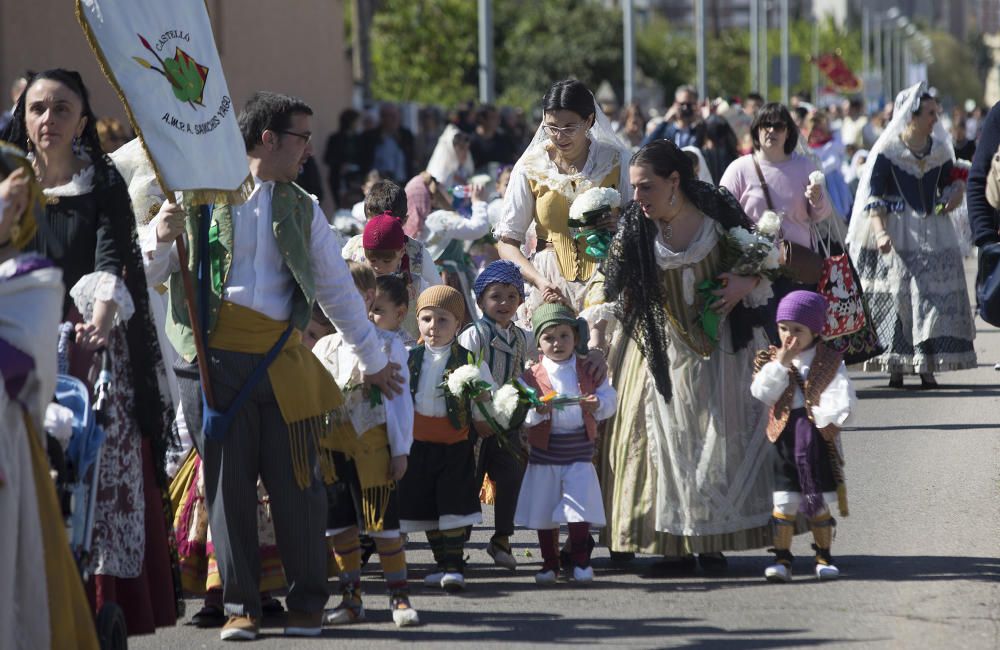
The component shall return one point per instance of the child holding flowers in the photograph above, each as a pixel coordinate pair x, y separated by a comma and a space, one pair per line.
505, 348
560, 484
439, 494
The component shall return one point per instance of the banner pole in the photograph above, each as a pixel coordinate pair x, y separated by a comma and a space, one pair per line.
192, 310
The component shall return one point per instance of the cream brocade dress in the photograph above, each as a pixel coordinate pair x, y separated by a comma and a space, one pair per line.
691, 475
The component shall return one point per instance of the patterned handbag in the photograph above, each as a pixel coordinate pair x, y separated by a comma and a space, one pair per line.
849, 328
845, 312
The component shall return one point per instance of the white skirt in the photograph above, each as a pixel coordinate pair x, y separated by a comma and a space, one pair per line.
559, 494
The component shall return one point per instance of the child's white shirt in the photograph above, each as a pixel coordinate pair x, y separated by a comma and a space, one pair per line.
565, 381
343, 365
429, 398
836, 403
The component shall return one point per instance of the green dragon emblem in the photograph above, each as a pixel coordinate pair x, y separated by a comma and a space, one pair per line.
186, 76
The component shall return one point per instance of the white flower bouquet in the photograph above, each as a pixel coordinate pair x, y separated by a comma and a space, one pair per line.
745, 252
506, 403
464, 382
505, 415
586, 212
754, 252
769, 224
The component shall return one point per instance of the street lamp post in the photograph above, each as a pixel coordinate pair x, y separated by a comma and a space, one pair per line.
785, 90
887, 66
866, 35
890, 55
898, 52
754, 46
765, 68
486, 67
699, 19
877, 49
629, 41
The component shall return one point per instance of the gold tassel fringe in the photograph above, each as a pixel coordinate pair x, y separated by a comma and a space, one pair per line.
374, 503
842, 499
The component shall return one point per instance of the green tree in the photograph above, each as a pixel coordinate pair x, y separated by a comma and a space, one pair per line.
538, 43
424, 51
665, 55
955, 72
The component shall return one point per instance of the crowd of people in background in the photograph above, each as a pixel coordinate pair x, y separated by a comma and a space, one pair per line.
682, 394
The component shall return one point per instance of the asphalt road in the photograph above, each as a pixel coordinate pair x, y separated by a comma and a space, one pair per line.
919, 555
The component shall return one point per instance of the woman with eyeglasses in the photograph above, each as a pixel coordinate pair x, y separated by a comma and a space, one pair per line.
573, 150
774, 176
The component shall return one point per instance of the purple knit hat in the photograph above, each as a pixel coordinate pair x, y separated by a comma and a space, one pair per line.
805, 307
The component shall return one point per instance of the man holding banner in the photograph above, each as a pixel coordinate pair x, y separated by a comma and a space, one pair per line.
271, 258
260, 404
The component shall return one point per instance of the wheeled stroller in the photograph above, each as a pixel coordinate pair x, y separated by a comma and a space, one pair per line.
77, 480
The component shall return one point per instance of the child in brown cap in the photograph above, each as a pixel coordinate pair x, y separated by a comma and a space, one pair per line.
438, 494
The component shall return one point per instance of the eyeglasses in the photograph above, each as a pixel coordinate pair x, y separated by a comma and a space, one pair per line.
553, 131
774, 126
305, 136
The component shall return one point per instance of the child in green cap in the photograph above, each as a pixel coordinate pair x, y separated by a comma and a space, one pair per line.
560, 485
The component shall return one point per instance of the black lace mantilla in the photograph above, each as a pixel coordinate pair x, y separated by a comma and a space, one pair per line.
632, 279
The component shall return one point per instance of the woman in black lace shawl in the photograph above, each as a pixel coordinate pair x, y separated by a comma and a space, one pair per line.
683, 461
88, 230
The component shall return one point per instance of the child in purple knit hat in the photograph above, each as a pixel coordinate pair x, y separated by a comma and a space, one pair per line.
811, 397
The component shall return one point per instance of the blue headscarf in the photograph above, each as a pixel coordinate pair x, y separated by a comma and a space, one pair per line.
502, 271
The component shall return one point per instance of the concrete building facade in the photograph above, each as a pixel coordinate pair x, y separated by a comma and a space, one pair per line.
296, 48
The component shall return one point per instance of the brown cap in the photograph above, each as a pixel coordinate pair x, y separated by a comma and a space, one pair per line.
444, 297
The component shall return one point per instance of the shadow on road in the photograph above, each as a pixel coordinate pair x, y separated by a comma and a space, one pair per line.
928, 427
957, 390
526, 628
747, 571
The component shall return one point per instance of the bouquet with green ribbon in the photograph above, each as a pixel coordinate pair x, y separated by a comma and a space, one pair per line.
465, 383
511, 404
744, 252
587, 212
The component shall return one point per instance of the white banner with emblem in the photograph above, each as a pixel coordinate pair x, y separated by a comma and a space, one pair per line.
162, 60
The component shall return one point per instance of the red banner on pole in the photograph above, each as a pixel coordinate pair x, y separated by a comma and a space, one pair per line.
838, 72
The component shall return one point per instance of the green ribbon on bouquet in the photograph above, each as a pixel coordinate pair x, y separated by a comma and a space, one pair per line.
710, 319
598, 242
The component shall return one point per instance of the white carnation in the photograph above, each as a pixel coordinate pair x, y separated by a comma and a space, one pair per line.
505, 403
594, 199
769, 223
612, 197
817, 178
462, 378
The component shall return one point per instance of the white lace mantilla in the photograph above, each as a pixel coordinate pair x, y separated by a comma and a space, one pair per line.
539, 167
104, 286
904, 159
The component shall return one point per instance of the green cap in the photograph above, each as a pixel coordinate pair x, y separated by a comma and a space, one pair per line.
556, 313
